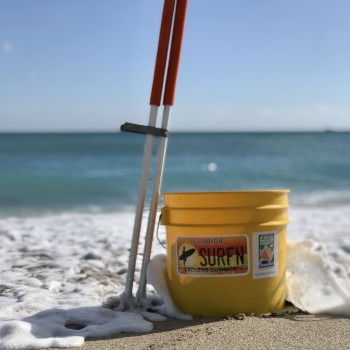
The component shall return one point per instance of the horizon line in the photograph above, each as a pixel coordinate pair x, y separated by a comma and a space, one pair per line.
117, 131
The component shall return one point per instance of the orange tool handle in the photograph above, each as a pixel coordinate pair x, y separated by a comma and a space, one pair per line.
175, 52
162, 53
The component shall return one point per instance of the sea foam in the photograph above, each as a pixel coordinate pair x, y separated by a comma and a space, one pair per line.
60, 272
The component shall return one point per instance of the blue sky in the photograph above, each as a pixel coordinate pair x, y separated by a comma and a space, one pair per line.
246, 65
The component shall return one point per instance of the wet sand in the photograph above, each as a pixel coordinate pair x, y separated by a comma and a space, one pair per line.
283, 330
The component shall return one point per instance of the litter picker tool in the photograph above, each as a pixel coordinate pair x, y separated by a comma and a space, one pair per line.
171, 33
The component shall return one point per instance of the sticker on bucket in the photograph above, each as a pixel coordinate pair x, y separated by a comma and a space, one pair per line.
213, 256
265, 248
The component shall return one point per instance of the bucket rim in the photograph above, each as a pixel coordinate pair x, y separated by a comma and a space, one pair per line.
263, 224
227, 192
260, 207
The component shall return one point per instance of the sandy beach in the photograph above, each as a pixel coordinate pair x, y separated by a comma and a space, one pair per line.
284, 330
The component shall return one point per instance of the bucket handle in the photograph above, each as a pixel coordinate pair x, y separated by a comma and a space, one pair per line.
157, 231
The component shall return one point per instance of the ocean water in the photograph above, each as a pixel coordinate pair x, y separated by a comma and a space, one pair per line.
63, 172
67, 205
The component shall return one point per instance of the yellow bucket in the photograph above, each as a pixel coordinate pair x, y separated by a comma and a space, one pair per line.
226, 251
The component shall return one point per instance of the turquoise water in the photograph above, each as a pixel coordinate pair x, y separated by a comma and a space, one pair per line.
41, 172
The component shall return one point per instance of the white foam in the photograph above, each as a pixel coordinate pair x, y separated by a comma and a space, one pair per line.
66, 260
157, 276
60, 328
325, 198
318, 268
314, 282
60, 269
329, 226
68, 265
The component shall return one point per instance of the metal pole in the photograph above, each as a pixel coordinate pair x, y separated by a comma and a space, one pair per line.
139, 211
141, 293
168, 101
155, 101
